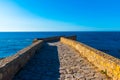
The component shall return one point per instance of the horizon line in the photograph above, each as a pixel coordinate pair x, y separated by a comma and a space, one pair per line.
59, 31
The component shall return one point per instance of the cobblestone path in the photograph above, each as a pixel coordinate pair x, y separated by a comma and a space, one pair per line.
56, 61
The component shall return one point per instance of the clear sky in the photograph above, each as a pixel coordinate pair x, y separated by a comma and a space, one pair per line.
59, 15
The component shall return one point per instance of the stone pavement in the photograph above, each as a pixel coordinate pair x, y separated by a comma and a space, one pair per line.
56, 61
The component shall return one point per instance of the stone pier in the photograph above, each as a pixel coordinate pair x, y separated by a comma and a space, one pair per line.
59, 58
56, 61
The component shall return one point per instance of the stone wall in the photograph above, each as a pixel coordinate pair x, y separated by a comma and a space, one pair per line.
106, 64
55, 38
9, 66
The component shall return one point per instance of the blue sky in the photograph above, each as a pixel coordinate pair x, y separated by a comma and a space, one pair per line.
59, 15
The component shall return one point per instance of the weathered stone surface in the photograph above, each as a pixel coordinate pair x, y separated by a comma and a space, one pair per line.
56, 61
79, 67
107, 64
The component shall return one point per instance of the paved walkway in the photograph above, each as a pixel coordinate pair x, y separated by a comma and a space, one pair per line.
56, 61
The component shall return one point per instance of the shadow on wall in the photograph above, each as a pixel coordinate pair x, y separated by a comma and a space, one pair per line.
43, 66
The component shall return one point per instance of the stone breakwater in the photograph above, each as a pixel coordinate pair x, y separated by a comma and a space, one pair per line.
107, 64
56, 61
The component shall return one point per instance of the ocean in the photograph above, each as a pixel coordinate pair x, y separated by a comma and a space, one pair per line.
11, 42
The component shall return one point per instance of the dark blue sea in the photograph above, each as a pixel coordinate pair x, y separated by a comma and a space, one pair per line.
11, 42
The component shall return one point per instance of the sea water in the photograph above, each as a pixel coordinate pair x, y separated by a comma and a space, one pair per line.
11, 42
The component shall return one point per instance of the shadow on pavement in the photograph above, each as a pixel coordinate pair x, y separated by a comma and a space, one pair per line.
43, 66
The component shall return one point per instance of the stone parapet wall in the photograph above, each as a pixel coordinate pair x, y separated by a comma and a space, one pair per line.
9, 66
106, 64
56, 38
74, 37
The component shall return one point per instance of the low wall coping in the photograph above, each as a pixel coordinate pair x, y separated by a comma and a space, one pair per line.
105, 62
